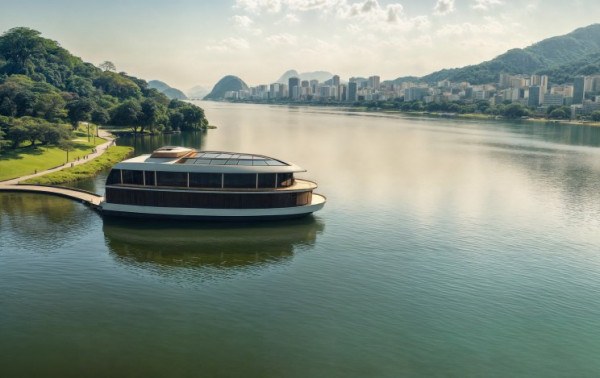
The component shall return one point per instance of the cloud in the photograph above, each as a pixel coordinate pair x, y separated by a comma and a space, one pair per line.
290, 18
486, 4
443, 7
308, 5
229, 44
258, 6
371, 11
282, 39
245, 23
490, 26
242, 21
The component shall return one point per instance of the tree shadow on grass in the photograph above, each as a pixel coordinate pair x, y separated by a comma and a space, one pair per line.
21, 152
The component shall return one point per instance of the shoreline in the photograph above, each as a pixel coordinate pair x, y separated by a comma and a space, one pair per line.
474, 116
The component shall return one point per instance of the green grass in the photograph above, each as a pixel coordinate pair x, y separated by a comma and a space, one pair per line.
25, 161
111, 157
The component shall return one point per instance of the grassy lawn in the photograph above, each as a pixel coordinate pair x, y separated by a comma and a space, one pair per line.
26, 160
111, 157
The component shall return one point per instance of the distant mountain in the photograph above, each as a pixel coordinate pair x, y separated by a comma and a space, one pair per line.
404, 79
226, 84
321, 76
197, 92
545, 55
164, 88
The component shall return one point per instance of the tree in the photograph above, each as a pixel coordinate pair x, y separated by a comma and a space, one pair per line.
18, 134
152, 116
66, 145
107, 66
100, 116
79, 111
127, 114
515, 111
561, 112
596, 116
18, 46
3, 142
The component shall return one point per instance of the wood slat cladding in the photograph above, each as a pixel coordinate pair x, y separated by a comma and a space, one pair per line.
160, 198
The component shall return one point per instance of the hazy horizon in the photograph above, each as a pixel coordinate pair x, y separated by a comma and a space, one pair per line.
187, 43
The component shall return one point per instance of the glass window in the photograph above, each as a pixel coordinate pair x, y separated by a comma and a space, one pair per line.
285, 180
266, 180
171, 179
150, 178
205, 180
133, 177
243, 180
114, 177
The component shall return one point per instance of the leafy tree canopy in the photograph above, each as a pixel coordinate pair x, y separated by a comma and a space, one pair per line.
41, 80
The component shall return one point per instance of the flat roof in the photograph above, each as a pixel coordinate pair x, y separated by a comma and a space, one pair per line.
229, 158
222, 161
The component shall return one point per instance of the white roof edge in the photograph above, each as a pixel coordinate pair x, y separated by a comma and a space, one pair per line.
192, 168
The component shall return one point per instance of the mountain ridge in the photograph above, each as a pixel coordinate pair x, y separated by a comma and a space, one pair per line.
167, 90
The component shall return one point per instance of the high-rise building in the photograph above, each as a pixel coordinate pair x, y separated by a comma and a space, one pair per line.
504, 81
273, 90
544, 84
578, 90
352, 91
373, 82
415, 93
535, 96
294, 87
336, 80
313, 86
551, 99
343, 92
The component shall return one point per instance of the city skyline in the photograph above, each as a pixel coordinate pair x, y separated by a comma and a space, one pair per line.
186, 43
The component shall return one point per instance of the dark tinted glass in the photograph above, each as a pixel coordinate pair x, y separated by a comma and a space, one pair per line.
114, 177
205, 180
150, 178
133, 177
171, 178
243, 180
266, 180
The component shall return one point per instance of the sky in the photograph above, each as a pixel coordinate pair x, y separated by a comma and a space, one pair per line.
193, 42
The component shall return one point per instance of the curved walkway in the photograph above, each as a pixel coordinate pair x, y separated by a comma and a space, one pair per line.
91, 199
100, 149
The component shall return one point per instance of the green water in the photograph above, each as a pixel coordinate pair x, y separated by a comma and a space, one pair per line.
447, 248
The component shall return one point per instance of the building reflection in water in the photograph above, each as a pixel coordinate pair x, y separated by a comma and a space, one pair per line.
168, 244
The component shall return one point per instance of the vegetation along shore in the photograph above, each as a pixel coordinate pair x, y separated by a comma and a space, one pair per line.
50, 102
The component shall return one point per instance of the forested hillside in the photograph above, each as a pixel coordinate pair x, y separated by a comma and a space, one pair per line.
550, 56
44, 89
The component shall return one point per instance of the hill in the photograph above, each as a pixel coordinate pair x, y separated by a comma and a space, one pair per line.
43, 85
197, 92
226, 84
579, 45
164, 88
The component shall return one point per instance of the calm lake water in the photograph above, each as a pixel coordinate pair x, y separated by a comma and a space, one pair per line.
447, 248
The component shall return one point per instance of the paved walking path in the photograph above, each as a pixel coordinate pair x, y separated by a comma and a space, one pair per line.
87, 197
100, 149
